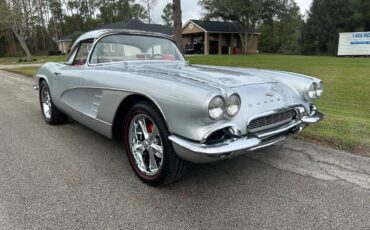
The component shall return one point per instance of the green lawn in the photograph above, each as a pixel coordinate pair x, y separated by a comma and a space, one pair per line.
39, 59
28, 71
346, 101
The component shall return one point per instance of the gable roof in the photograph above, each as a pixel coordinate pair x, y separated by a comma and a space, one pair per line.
219, 26
70, 37
138, 25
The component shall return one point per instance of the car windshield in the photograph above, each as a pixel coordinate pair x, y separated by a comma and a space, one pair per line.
114, 48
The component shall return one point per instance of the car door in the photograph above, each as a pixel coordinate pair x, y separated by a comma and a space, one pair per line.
80, 97
68, 76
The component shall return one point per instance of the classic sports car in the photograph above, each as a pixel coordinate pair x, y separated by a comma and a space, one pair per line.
137, 86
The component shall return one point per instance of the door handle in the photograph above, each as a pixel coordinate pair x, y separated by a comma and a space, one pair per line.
57, 73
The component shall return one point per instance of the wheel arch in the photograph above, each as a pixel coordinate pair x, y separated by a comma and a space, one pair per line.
125, 105
41, 78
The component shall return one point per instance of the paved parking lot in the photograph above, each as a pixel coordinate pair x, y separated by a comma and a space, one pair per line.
68, 177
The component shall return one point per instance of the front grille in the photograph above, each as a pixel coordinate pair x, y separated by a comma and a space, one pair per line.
271, 121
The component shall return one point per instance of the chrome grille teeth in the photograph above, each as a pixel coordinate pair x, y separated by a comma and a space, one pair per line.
271, 121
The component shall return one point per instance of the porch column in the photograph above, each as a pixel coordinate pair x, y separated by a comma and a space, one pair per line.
219, 44
206, 43
232, 43
62, 49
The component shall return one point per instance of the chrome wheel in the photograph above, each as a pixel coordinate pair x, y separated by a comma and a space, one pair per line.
46, 102
145, 144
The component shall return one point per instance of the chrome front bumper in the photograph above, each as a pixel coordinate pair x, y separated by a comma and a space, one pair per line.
202, 153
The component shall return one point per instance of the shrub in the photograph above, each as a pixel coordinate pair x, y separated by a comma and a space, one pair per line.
54, 52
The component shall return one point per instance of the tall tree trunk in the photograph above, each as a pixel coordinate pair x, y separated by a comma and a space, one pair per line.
244, 39
42, 24
34, 47
14, 48
149, 19
24, 46
177, 22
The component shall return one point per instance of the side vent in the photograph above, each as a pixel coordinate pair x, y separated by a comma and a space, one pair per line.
96, 103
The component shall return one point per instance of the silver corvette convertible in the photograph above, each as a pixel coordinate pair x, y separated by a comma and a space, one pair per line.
137, 86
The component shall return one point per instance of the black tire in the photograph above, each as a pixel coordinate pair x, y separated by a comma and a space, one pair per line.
173, 168
56, 117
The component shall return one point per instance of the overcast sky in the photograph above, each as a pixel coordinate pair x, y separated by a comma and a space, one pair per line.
191, 9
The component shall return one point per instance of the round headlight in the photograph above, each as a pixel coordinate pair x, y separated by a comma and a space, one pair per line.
319, 89
216, 107
233, 105
311, 91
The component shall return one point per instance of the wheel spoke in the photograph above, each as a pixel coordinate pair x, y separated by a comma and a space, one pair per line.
143, 128
152, 162
158, 150
138, 150
46, 109
134, 131
138, 146
154, 134
140, 160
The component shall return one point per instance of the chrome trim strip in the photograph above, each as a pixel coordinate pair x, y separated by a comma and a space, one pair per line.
314, 117
216, 150
228, 125
89, 116
269, 143
280, 130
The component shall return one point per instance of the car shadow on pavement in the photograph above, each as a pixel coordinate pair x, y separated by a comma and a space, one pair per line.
240, 168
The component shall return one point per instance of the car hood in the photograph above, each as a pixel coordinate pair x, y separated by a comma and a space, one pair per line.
220, 77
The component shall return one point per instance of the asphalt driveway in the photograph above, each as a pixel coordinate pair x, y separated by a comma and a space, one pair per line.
68, 177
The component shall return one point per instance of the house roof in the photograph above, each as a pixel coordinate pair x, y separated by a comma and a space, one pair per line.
69, 37
219, 26
138, 25
126, 25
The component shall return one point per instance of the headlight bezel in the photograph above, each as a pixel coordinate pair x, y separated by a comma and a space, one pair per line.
216, 106
229, 103
219, 106
311, 93
319, 89
314, 90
